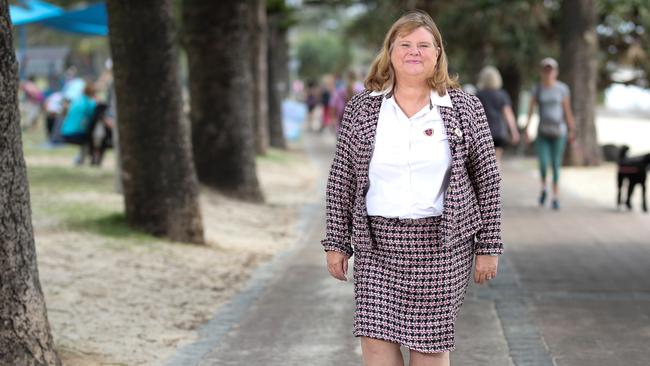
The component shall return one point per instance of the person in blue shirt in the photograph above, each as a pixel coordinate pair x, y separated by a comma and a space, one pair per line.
75, 126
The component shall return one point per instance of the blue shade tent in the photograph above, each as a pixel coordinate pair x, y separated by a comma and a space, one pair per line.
88, 20
32, 11
91, 20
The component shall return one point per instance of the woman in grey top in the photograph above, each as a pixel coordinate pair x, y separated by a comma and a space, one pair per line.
556, 125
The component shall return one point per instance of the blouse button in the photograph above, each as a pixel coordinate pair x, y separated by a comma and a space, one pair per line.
458, 132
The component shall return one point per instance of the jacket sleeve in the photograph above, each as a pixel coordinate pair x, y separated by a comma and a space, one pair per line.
486, 181
341, 188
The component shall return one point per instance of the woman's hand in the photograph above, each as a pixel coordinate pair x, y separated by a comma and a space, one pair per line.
337, 264
572, 135
524, 133
485, 268
515, 137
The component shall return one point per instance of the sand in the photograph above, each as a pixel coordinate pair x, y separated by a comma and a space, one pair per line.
113, 301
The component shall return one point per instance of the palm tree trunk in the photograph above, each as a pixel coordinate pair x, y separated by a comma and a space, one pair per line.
160, 185
25, 337
578, 68
260, 76
218, 43
278, 78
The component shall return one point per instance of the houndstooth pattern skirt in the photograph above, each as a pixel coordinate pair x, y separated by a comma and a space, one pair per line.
408, 287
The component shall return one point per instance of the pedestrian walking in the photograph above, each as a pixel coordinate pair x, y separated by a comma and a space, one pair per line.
556, 125
311, 101
498, 109
32, 103
343, 95
413, 193
53, 114
328, 91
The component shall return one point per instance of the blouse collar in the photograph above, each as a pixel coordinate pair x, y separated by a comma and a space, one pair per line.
434, 98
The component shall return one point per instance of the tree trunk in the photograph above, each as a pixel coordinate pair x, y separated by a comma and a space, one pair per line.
25, 337
278, 78
578, 68
260, 76
512, 85
160, 186
218, 43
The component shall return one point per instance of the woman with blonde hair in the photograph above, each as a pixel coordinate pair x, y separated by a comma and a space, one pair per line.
413, 193
498, 108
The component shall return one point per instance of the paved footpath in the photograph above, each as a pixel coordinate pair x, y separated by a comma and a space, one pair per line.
573, 290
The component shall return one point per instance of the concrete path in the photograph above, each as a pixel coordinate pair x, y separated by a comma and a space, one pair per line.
573, 290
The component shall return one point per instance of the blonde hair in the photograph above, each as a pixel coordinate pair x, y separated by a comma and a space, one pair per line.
489, 78
382, 74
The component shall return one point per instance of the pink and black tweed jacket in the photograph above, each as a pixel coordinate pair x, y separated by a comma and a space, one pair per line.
472, 208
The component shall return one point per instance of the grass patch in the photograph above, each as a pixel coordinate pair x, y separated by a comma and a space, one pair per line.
57, 179
77, 198
105, 220
111, 225
278, 156
34, 144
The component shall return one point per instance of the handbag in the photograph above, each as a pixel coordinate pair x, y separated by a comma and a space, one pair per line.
551, 129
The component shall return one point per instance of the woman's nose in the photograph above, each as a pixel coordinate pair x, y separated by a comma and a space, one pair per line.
414, 51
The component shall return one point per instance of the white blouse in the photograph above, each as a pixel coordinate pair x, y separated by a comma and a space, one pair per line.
411, 162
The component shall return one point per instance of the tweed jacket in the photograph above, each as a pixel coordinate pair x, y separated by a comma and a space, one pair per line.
472, 205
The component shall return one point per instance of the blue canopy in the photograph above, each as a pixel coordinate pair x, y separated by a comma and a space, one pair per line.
32, 11
88, 20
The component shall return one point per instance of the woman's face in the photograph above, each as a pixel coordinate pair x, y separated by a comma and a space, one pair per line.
549, 73
414, 54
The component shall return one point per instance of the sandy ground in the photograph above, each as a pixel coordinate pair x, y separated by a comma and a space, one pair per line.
132, 302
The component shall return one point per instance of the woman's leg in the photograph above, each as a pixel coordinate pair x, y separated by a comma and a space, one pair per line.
428, 359
380, 353
557, 153
542, 144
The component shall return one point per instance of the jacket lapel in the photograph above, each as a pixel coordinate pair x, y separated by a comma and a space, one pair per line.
454, 138
451, 124
369, 118
367, 129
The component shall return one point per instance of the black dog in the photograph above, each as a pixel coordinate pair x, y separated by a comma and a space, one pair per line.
633, 169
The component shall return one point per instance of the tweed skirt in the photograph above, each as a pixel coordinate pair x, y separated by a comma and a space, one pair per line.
408, 286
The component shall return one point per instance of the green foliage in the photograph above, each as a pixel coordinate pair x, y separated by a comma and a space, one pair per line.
320, 54
516, 34
501, 33
285, 14
624, 40
371, 26
476, 32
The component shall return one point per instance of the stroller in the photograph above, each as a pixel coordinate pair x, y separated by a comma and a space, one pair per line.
100, 130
